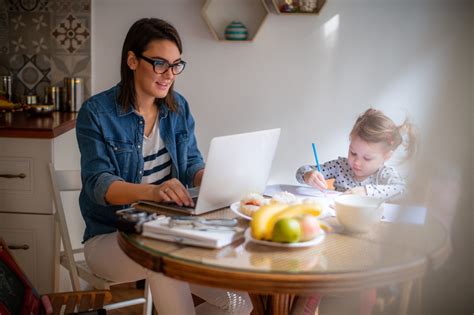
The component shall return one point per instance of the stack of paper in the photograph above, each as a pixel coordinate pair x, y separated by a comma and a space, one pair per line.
204, 237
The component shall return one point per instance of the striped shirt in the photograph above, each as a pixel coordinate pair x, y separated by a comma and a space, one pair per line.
157, 168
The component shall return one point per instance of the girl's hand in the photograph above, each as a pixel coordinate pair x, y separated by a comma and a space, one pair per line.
315, 179
357, 191
173, 191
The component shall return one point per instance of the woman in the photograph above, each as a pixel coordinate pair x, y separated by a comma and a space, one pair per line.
137, 142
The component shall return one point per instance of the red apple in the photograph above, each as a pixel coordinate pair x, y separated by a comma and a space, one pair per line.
309, 227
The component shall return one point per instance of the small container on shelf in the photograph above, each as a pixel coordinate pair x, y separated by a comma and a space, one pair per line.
236, 30
54, 95
6, 87
298, 6
288, 7
74, 94
308, 6
30, 99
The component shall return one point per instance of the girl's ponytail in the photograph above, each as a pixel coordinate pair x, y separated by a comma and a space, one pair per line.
409, 142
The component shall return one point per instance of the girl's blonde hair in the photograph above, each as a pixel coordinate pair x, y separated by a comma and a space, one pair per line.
374, 126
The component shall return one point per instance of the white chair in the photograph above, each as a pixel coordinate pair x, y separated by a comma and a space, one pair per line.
63, 181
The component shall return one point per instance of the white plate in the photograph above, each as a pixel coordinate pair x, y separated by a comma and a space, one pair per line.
235, 207
313, 242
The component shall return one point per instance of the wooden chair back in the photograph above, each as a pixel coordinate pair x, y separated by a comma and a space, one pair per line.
63, 181
18, 296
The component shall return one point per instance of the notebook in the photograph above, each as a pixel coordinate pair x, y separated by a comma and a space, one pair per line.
202, 237
236, 165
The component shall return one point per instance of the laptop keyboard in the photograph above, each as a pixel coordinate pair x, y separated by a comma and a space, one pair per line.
185, 207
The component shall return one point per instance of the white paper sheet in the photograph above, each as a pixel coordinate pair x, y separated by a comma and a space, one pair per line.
302, 191
404, 214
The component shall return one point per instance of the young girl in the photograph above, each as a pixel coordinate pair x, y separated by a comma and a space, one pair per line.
374, 138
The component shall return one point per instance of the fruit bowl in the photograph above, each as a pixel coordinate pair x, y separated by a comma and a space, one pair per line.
7, 106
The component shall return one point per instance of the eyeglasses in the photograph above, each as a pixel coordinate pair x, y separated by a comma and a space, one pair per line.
161, 66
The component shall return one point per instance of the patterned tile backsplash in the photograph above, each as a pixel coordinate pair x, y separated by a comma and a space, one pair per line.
44, 41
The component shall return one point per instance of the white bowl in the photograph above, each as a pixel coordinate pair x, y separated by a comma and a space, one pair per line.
358, 213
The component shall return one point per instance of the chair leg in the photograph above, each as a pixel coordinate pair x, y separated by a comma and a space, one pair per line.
148, 307
127, 303
405, 297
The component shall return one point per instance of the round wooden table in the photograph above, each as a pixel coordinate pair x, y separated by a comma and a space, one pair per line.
393, 253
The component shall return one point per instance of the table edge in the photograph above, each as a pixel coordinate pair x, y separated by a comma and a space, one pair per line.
272, 283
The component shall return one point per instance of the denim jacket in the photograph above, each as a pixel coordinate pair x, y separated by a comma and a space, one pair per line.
110, 141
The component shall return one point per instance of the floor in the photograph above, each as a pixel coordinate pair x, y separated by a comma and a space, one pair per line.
127, 291
332, 306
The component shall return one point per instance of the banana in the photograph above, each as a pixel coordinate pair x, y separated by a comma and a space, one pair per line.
325, 227
6, 104
290, 212
259, 223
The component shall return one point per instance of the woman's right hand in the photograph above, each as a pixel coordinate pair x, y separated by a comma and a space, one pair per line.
172, 191
315, 179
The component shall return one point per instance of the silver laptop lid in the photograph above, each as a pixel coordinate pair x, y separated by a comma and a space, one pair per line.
236, 165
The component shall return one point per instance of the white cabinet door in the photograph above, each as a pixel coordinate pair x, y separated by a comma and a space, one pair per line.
30, 238
24, 182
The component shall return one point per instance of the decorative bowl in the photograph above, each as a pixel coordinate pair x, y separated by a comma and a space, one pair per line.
358, 213
40, 109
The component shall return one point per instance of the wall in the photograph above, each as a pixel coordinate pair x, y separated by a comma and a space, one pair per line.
41, 42
410, 58
397, 56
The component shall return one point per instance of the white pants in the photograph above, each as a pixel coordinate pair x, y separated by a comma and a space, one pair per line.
107, 260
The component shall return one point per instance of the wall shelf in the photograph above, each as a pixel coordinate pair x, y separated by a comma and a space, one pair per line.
220, 13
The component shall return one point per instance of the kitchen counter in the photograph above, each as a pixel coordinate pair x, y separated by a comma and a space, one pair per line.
24, 125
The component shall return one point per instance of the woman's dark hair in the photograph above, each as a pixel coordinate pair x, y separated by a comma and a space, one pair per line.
138, 37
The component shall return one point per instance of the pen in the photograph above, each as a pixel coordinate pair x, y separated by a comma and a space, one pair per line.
317, 164
316, 157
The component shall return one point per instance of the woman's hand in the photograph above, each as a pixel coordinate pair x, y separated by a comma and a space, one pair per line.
357, 191
198, 178
315, 179
173, 191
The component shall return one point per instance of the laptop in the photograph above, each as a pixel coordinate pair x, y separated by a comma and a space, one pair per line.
236, 165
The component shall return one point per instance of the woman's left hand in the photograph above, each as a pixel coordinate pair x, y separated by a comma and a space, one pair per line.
357, 191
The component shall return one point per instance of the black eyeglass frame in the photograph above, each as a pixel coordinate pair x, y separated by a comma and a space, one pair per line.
155, 62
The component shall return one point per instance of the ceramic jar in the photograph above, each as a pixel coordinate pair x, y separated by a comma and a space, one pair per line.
236, 31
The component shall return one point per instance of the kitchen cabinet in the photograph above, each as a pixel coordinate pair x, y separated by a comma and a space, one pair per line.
31, 238
27, 146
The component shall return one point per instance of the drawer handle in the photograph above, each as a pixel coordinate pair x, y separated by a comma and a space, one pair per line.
21, 175
24, 246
